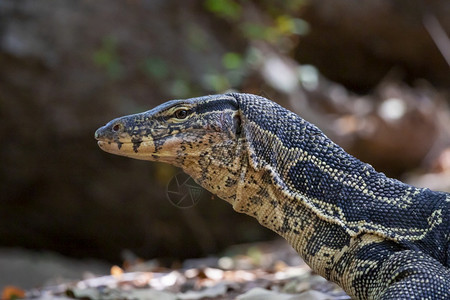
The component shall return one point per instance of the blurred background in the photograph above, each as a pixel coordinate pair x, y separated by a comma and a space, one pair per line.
373, 75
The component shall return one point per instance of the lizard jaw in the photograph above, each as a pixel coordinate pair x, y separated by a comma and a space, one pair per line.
145, 150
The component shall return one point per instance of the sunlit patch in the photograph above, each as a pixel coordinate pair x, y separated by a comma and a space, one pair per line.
392, 109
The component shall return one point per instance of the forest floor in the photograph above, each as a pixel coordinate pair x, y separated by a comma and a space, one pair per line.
266, 270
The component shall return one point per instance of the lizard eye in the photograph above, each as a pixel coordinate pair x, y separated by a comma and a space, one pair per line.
181, 114
117, 127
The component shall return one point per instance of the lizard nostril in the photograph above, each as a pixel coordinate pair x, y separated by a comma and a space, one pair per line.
117, 127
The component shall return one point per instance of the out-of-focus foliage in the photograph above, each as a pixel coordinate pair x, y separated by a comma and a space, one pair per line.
227, 9
278, 26
107, 57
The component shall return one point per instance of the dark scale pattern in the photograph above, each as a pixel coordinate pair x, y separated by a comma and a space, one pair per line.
348, 192
376, 237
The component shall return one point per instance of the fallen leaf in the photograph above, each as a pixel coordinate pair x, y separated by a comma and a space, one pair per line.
12, 292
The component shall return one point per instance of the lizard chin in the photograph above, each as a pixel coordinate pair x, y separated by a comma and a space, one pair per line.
145, 150
142, 151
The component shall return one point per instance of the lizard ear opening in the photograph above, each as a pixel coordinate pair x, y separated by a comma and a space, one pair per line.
237, 124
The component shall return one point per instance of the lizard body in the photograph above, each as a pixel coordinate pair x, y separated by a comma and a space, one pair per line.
376, 237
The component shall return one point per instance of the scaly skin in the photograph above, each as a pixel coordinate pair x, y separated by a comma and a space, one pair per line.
375, 236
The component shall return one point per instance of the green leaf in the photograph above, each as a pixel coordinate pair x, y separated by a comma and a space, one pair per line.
224, 8
232, 60
156, 68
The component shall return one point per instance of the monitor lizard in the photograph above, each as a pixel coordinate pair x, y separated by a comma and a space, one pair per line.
376, 237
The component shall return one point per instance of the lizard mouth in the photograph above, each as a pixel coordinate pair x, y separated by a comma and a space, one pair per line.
142, 150
145, 150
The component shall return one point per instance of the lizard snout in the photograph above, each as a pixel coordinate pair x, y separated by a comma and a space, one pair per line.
111, 131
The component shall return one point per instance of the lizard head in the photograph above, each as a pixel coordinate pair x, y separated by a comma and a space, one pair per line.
178, 132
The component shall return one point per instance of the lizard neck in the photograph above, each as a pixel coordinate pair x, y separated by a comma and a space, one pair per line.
230, 172
318, 243
218, 167
309, 168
